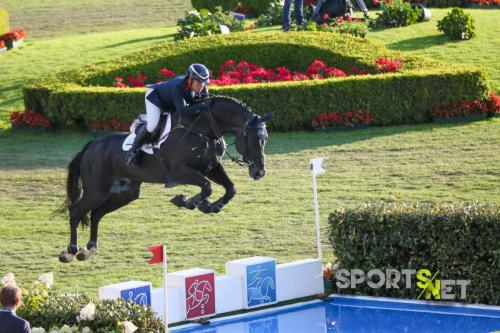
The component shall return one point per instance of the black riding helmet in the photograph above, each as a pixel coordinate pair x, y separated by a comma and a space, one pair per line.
199, 72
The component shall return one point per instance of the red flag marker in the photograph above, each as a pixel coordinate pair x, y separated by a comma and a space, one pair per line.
157, 251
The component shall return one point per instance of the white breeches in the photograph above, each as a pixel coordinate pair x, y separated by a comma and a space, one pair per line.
153, 113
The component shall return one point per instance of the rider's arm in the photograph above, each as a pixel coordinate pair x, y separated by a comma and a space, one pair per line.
185, 110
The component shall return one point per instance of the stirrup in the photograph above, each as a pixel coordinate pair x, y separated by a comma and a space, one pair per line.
132, 158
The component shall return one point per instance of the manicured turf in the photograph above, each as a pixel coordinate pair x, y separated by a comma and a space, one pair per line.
271, 217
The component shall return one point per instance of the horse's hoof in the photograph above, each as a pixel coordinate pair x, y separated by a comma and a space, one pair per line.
179, 200
65, 257
84, 253
217, 207
205, 206
191, 204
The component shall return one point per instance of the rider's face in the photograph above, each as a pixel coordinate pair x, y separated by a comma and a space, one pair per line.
197, 86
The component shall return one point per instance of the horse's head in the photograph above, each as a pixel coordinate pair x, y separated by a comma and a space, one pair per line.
250, 144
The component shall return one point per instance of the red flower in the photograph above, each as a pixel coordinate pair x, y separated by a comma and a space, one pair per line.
29, 118
326, 16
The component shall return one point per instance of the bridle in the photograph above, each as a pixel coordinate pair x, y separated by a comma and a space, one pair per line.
219, 135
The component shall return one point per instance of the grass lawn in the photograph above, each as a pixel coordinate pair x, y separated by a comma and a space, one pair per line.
272, 217
56, 18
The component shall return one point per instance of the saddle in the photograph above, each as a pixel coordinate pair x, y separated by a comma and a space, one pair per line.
159, 135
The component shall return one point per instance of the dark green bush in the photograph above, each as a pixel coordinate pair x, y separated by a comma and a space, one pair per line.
460, 241
211, 4
398, 13
4, 21
273, 15
64, 310
204, 23
78, 97
257, 7
457, 24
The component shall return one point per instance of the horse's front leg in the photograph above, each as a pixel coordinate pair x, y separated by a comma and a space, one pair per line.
219, 176
187, 175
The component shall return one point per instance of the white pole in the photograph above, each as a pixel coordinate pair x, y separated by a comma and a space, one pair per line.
316, 213
165, 289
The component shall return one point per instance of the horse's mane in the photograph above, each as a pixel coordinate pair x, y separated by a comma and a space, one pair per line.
223, 98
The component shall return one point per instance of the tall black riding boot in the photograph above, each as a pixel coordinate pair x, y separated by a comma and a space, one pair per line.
140, 138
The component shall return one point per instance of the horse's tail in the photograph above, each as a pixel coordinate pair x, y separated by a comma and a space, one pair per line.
73, 183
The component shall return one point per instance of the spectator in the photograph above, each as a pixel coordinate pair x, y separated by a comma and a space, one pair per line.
299, 13
10, 300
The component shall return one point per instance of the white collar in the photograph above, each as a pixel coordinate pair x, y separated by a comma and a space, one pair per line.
8, 309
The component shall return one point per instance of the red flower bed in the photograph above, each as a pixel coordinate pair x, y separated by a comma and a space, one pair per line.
243, 72
342, 119
464, 109
110, 125
13, 35
387, 65
486, 2
29, 118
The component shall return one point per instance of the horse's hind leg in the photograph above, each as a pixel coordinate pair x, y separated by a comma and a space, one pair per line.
128, 193
77, 214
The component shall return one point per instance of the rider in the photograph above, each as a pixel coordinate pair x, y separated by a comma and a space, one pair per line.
176, 94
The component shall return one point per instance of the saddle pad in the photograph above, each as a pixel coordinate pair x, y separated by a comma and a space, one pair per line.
147, 148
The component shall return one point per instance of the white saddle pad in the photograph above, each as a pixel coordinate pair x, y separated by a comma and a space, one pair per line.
147, 148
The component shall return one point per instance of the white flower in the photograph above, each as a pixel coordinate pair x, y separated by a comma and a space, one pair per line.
88, 312
54, 330
129, 327
47, 279
86, 330
66, 329
38, 330
9, 280
75, 329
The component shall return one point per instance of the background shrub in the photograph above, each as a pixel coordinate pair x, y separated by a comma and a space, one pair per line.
461, 241
4, 21
273, 15
211, 4
204, 23
397, 13
457, 24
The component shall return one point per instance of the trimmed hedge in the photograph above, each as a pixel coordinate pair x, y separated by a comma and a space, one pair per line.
4, 21
461, 241
83, 95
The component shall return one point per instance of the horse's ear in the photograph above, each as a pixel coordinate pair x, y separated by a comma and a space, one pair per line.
265, 118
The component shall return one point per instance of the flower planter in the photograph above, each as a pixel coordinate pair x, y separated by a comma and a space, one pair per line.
328, 284
339, 129
455, 120
28, 129
12, 44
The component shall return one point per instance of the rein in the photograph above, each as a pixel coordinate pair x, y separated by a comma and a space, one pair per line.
216, 130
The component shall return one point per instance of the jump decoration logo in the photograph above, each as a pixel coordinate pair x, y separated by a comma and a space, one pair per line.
261, 284
430, 287
141, 295
200, 296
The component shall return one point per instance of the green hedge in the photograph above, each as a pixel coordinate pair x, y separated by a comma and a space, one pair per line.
4, 21
83, 95
461, 241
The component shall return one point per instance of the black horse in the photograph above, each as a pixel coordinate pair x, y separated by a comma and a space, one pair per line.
99, 181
